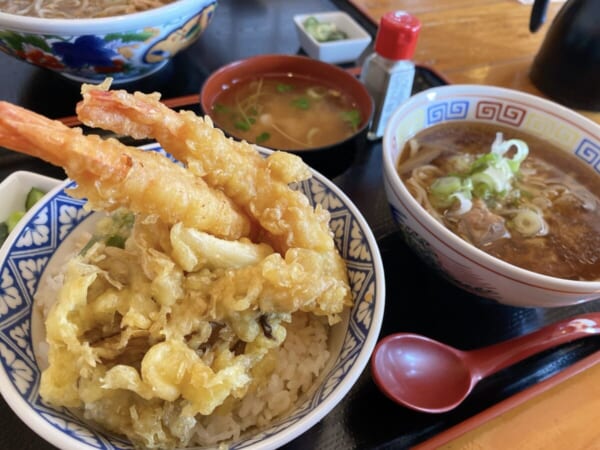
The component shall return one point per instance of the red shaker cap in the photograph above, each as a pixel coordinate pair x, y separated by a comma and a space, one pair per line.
397, 35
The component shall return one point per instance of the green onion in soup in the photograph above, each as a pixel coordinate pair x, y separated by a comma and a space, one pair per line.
511, 194
287, 112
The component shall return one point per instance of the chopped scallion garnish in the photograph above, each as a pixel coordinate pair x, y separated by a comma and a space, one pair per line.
262, 137
491, 175
301, 103
352, 118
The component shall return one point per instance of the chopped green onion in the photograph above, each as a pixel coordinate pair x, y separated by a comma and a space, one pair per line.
262, 137
491, 175
464, 203
301, 103
220, 108
281, 88
483, 162
496, 179
245, 124
113, 232
446, 186
352, 118
500, 147
446, 190
529, 223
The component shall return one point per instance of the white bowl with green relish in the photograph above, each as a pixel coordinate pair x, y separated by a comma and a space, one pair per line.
332, 37
498, 191
20, 191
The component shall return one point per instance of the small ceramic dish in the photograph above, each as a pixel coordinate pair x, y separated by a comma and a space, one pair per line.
15, 187
338, 51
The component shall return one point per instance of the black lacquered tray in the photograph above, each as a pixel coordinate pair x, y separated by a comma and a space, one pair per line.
418, 300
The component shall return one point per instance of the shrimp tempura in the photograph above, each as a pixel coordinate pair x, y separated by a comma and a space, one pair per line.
110, 174
259, 186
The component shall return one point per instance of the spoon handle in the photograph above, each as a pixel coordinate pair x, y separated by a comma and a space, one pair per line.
496, 357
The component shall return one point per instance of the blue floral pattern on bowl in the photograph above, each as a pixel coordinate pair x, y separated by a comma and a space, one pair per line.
124, 55
56, 217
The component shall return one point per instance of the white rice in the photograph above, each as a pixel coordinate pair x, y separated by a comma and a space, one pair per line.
298, 364
299, 361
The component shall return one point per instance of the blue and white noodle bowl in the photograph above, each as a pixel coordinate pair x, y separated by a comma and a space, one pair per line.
126, 48
46, 235
462, 263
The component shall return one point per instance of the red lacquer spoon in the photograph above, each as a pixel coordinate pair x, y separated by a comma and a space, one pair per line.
429, 376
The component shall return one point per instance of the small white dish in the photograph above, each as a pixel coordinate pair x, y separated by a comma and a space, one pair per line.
15, 187
340, 51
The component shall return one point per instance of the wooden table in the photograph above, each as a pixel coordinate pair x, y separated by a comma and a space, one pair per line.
488, 42
474, 41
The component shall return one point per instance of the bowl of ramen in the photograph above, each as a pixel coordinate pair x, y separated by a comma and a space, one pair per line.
86, 40
498, 191
293, 103
228, 298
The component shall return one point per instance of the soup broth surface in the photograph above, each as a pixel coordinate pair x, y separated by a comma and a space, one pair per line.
286, 112
547, 220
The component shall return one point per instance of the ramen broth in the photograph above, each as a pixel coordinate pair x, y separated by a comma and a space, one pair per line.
286, 112
545, 218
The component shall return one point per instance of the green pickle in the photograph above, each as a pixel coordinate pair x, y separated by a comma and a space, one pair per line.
33, 196
323, 31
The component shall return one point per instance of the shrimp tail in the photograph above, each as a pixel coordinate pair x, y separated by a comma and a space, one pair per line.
258, 185
110, 174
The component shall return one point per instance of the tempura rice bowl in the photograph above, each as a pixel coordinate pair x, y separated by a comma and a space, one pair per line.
465, 265
47, 234
127, 47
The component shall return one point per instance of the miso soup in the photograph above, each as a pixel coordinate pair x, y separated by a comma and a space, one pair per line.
511, 194
286, 112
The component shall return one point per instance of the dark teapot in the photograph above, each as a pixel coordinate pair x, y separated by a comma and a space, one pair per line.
567, 65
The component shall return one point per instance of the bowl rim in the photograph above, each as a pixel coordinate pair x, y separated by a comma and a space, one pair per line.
100, 25
206, 102
439, 231
23, 409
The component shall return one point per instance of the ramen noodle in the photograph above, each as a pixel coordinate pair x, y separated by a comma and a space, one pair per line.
511, 194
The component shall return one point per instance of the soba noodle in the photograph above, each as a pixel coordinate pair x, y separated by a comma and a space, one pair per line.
77, 9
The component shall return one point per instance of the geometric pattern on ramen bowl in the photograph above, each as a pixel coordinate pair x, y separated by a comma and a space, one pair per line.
589, 152
57, 216
501, 112
468, 266
448, 110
